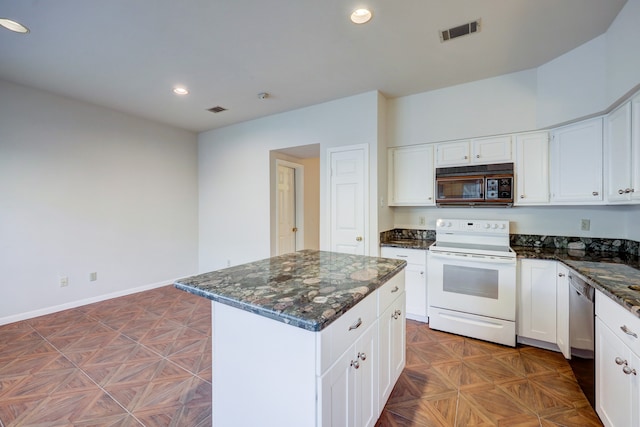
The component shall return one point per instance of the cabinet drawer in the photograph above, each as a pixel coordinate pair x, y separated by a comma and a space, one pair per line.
618, 319
391, 290
412, 256
337, 337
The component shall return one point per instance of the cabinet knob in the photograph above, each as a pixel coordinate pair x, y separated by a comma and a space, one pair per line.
362, 356
627, 370
621, 191
466, 157
628, 190
477, 156
422, 273
560, 274
595, 193
620, 361
628, 331
522, 196
355, 364
359, 239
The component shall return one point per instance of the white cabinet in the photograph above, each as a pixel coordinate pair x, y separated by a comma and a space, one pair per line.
411, 176
562, 309
392, 344
349, 389
622, 152
617, 364
495, 149
416, 279
537, 300
532, 169
543, 304
576, 163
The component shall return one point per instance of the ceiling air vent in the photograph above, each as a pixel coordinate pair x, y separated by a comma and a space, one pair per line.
460, 30
217, 109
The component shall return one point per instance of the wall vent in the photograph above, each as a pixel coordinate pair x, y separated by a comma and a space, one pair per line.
217, 109
460, 30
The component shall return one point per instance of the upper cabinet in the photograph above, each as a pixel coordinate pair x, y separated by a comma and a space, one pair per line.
411, 176
622, 152
576, 163
532, 169
476, 151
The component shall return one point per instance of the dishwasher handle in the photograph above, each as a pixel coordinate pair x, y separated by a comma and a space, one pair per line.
581, 287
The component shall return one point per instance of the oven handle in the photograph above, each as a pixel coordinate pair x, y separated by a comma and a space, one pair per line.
472, 258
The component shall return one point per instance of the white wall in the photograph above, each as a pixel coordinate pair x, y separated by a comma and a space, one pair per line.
492, 106
234, 173
606, 221
86, 189
573, 85
623, 61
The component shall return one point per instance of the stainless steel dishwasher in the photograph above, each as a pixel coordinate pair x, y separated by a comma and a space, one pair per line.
581, 334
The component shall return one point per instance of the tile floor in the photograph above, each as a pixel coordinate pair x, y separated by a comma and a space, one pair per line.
145, 359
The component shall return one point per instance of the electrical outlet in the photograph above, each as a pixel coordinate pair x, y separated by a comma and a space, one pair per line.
421, 220
585, 224
64, 281
228, 263
93, 276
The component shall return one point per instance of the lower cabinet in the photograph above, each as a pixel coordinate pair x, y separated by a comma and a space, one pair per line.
392, 344
349, 389
416, 279
617, 364
543, 304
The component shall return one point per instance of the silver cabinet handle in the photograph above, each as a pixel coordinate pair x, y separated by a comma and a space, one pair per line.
355, 364
620, 361
627, 370
595, 193
395, 289
356, 325
628, 331
396, 314
402, 256
362, 356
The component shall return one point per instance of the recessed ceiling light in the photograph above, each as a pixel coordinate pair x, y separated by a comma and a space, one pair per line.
361, 16
180, 91
13, 26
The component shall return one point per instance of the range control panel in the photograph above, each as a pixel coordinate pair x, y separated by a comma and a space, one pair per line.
473, 226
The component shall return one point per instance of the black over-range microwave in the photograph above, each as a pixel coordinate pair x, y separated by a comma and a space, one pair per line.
483, 185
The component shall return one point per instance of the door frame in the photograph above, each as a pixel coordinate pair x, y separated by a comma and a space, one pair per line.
299, 202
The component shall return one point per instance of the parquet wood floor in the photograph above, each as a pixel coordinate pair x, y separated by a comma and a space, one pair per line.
145, 360
457, 381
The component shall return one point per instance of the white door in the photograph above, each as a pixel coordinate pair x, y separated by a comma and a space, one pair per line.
348, 187
286, 210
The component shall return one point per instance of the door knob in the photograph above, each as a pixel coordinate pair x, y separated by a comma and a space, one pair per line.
359, 239
294, 229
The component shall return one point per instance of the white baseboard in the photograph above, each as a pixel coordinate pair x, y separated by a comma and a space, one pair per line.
73, 304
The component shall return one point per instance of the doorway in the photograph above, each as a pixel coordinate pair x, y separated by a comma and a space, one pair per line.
295, 199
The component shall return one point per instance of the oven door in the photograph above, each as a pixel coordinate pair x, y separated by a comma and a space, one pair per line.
476, 284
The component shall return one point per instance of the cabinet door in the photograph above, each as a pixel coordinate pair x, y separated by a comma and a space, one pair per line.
537, 317
576, 163
338, 391
452, 153
392, 348
635, 147
492, 150
532, 169
618, 154
366, 409
416, 285
615, 390
562, 310
411, 176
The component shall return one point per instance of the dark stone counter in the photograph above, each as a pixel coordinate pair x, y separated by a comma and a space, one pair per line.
308, 289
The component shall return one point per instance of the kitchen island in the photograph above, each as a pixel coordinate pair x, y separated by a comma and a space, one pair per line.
310, 338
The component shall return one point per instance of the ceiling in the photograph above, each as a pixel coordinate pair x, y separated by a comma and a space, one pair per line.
128, 55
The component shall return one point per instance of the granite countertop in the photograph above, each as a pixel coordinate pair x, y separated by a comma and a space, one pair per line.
408, 243
308, 289
615, 274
